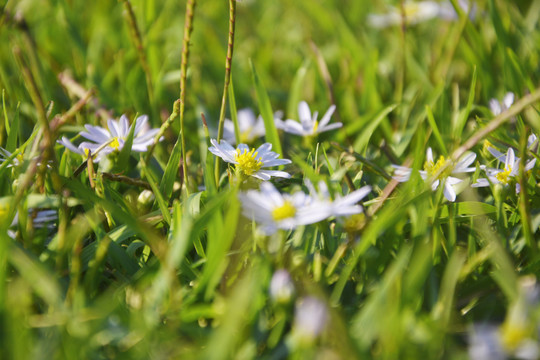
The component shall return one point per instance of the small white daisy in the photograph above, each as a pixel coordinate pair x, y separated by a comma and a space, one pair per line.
250, 162
308, 125
498, 107
115, 136
250, 127
432, 172
273, 210
506, 175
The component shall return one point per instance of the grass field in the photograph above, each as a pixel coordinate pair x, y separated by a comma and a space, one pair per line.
382, 204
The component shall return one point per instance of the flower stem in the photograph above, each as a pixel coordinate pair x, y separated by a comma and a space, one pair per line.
188, 29
228, 61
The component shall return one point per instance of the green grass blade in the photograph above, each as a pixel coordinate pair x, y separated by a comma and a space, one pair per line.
266, 112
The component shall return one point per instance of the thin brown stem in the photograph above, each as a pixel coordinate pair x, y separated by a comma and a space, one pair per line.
188, 29
228, 64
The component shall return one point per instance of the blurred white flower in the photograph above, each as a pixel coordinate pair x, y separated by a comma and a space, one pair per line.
416, 12
104, 141
432, 172
498, 107
281, 286
310, 319
308, 125
250, 162
5, 155
506, 175
485, 343
273, 210
250, 127
342, 205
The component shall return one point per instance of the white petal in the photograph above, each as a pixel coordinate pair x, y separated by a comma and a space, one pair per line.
449, 192
508, 100
429, 155
326, 118
266, 174
510, 159
333, 126
303, 111
497, 154
353, 197
530, 164
277, 162
481, 183
495, 107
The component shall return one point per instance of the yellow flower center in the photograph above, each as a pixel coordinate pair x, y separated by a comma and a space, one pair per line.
244, 136
504, 176
115, 144
315, 126
247, 161
433, 169
411, 9
285, 211
86, 152
513, 335
488, 144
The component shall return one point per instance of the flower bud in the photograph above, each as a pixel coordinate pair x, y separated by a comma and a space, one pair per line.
281, 287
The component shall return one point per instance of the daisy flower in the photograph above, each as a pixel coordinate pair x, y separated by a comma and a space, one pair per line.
506, 175
273, 210
115, 136
250, 162
250, 127
432, 172
498, 107
308, 125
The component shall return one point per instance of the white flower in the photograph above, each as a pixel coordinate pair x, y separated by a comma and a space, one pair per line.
432, 172
498, 107
491, 342
417, 12
485, 343
114, 137
249, 126
281, 286
507, 174
250, 162
341, 205
310, 318
308, 125
273, 210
